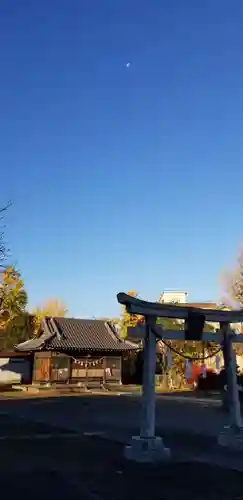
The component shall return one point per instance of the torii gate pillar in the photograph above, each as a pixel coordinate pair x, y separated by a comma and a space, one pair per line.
147, 447
232, 435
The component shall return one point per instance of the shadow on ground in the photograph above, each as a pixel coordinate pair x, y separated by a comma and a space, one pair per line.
92, 469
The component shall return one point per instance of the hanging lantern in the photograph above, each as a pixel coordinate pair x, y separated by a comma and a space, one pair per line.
204, 371
194, 325
169, 359
188, 370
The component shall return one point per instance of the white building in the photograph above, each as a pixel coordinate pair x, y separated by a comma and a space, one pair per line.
173, 296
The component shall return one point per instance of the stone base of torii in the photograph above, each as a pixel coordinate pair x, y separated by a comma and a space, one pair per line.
150, 448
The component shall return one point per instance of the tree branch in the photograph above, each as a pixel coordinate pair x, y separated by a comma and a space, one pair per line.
3, 250
3, 209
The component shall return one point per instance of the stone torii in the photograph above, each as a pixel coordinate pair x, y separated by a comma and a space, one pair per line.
150, 448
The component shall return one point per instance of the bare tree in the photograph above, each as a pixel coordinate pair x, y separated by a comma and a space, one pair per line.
233, 284
232, 281
3, 249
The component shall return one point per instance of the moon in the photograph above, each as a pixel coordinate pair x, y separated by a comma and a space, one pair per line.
128, 64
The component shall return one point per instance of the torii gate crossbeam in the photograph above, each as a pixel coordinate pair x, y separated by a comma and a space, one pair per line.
147, 447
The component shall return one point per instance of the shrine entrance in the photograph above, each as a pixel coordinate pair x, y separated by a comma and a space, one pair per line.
150, 448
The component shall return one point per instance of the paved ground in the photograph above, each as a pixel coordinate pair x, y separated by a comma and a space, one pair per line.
89, 468
120, 415
82, 468
189, 429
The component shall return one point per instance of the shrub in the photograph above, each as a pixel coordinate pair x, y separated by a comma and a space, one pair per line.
212, 382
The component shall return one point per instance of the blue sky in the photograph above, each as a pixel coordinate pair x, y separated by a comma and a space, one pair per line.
121, 178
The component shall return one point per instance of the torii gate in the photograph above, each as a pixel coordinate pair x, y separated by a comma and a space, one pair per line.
147, 447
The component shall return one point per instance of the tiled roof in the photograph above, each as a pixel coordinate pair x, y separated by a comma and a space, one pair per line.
203, 305
85, 334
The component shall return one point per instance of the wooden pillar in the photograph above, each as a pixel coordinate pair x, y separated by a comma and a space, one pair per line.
70, 370
86, 372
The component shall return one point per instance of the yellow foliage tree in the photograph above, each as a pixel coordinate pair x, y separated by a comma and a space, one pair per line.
50, 307
128, 319
18, 329
13, 297
15, 322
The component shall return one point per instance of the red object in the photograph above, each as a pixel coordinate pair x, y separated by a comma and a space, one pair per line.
196, 371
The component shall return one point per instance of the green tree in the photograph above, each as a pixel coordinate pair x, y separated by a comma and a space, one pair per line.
128, 319
12, 295
18, 329
50, 307
179, 349
15, 322
182, 349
